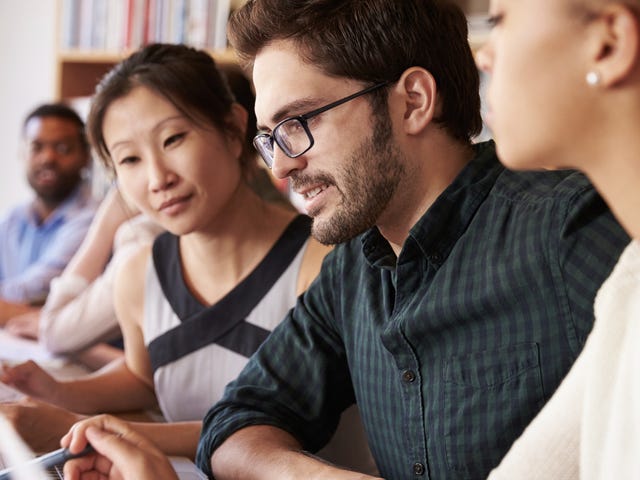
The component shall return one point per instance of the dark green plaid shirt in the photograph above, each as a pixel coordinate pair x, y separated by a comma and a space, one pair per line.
450, 349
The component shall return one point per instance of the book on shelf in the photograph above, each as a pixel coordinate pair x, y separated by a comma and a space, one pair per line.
115, 25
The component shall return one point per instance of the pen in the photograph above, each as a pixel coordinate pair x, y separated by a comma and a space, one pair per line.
48, 460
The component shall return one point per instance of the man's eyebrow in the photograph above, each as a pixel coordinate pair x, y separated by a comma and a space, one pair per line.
62, 138
301, 105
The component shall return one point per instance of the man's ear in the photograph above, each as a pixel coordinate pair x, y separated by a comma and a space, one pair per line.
615, 37
417, 91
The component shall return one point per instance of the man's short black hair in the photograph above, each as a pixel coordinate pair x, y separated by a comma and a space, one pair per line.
57, 110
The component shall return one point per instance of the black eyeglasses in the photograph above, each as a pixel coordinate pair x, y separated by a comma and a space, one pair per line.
292, 134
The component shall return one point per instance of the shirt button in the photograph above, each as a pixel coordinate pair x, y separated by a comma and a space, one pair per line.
408, 376
418, 469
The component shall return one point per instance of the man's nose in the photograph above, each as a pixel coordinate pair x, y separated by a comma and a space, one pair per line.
283, 165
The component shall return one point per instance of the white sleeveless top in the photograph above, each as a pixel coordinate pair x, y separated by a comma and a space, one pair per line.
196, 350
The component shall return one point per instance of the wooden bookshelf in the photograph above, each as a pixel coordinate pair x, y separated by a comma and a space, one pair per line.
78, 72
80, 68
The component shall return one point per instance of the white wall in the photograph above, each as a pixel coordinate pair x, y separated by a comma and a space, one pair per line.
27, 78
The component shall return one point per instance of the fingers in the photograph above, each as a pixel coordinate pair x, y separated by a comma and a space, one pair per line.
8, 371
17, 375
24, 325
119, 449
89, 467
76, 439
4, 366
111, 449
18, 369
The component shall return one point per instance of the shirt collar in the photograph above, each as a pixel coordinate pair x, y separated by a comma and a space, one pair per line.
443, 223
78, 198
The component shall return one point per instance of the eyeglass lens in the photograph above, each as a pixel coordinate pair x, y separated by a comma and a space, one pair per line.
292, 137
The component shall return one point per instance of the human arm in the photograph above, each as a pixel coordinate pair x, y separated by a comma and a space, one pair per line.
111, 389
550, 446
121, 452
95, 250
97, 356
298, 381
121, 386
266, 452
587, 247
40, 424
178, 439
79, 310
9, 310
94, 357
31, 284
24, 325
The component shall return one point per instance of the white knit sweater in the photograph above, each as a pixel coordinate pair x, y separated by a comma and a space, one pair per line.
590, 429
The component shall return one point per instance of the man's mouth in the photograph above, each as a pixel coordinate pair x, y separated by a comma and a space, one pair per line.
312, 193
46, 175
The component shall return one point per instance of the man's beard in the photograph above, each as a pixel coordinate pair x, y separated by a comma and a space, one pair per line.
370, 178
53, 195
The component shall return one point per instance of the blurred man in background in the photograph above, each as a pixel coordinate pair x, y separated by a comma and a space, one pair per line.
39, 237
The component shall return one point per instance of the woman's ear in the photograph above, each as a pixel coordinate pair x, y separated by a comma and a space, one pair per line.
239, 117
238, 120
617, 36
416, 90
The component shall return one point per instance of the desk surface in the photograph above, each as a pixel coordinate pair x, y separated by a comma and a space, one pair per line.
16, 350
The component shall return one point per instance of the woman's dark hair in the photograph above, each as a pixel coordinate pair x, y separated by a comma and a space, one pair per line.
186, 77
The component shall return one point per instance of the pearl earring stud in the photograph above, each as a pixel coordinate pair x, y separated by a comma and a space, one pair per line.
593, 78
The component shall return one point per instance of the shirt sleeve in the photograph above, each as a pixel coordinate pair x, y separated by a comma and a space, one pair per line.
32, 285
588, 235
549, 447
79, 314
286, 383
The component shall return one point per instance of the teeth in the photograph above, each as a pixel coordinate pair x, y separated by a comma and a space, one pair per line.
312, 193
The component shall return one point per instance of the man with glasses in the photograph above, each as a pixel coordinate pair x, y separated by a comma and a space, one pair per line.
38, 238
459, 292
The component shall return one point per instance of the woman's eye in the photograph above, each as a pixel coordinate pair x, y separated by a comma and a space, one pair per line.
174, 139
494, 20
128, 160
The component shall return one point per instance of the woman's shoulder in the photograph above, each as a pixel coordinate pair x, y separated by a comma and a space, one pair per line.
311, 263
133, 268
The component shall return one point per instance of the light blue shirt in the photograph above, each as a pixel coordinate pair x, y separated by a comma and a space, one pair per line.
32, 254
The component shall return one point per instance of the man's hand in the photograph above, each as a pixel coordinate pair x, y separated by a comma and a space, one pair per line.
121, 452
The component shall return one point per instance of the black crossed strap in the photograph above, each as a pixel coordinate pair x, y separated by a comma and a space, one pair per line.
225, 322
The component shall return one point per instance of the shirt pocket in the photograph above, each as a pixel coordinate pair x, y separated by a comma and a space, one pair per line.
489, 397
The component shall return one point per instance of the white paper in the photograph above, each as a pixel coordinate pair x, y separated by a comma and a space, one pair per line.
17, 349
8, 394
